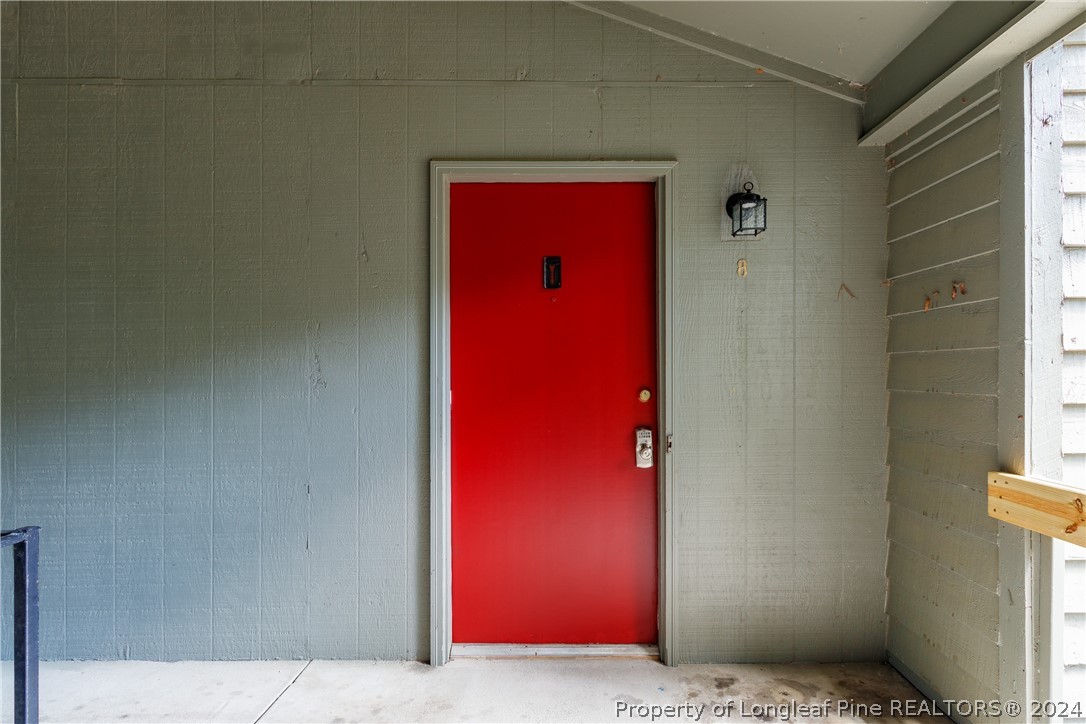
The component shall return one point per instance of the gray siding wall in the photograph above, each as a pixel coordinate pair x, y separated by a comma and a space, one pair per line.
944, 227
215, 286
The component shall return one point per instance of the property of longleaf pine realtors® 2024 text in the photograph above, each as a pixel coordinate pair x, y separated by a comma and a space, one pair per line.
794, 710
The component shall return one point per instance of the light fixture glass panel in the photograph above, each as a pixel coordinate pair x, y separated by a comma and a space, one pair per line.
754, 216
748, 212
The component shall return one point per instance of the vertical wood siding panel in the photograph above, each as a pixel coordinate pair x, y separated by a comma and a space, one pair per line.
140, 447
141, 40
40, 346
9, 189
334, 373
382, 44
189, 372
675, 61
89, 367
767, 299
431, 40
529, 40
238, 47
675, 119
480, 40
430, 131
479, 120
578, 44
335, 40
9, 39
863, 375
43, 51
383, 435
529, 121
819, 322
190, 40
577, 121
285, 365
92, 40
286, 39
237, 370
624, 130
627, 52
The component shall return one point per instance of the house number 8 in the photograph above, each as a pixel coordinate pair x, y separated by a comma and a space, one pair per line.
741, 267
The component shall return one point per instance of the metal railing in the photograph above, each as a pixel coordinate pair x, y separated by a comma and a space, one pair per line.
24, 545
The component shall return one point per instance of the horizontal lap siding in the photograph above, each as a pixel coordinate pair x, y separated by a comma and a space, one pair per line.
943, 230
1073, 127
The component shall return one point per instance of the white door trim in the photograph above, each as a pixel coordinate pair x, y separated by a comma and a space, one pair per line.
554, 651
442, 175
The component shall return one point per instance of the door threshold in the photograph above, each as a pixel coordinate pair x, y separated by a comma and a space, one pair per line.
555, 651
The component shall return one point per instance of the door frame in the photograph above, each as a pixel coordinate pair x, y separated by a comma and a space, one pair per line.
442, 175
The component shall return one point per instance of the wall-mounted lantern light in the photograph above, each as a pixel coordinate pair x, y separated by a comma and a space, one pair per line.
747, 211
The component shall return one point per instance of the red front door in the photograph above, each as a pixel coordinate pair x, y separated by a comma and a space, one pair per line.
553, 524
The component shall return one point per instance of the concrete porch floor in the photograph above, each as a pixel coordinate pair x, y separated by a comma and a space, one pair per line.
465, 690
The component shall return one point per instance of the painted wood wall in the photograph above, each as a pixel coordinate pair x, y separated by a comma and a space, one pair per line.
1073, 127
215, 321
944, 227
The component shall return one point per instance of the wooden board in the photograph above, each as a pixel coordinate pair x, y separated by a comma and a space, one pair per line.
966, 191
1074, 220
946, 131
1074, 169
979, 274
959, 238
961, 417
1073, 122
1047, 508
964, 326
969, 146
1074, 378
1074, 67
970, 372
